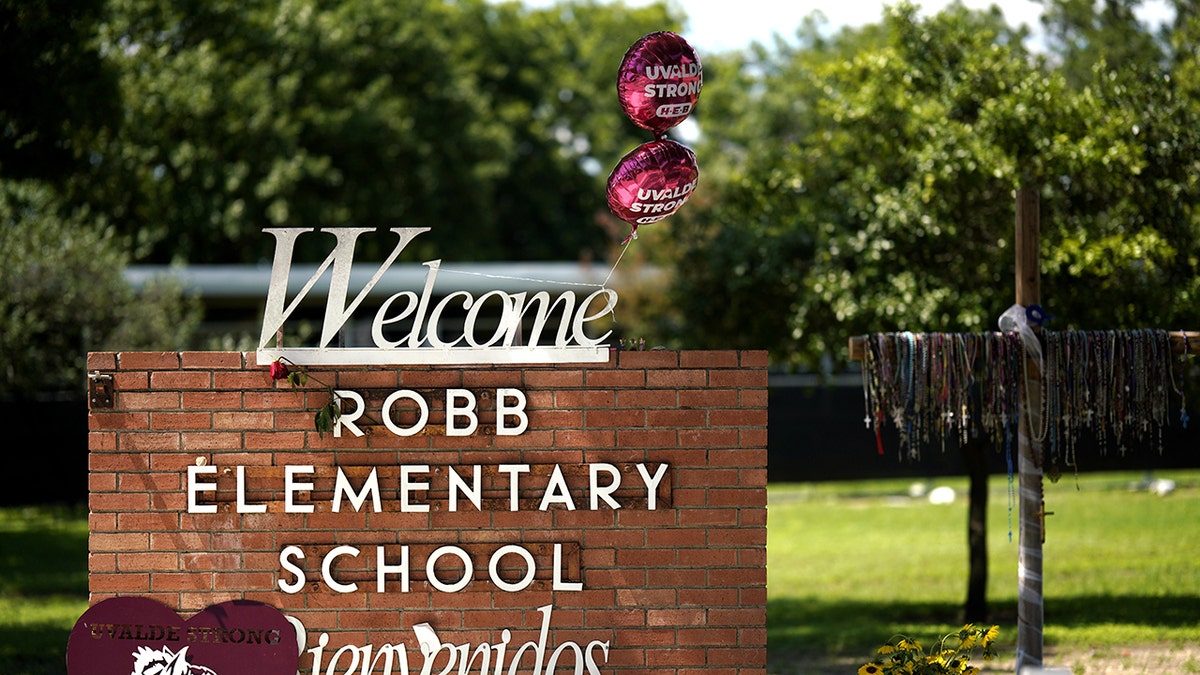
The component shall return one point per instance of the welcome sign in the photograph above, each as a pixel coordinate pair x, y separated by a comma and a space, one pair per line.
418, 318
467, 514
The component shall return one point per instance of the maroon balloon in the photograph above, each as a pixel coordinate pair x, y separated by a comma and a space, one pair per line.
652, 182
124, 635
659, 81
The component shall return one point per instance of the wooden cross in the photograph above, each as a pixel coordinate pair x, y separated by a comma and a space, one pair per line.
1030, 616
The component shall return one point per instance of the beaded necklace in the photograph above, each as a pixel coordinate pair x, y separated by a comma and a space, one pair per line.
932, 388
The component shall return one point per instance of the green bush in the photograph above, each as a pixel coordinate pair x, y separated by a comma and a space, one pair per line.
62, 294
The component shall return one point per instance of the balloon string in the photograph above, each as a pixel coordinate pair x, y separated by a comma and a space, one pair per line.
604, 284
529, 279
613, 271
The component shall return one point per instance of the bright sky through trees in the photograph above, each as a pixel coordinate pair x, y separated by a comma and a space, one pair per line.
718, 25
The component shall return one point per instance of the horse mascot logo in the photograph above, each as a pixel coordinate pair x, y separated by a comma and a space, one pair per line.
165, 662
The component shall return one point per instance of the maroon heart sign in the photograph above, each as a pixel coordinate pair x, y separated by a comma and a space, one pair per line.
140, 636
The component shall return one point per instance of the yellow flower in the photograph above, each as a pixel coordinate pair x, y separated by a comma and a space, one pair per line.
905, 656
909, 645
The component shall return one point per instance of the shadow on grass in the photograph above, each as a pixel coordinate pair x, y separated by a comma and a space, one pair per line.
1168, 611
810, 628
843, 627
43, 587
35, 563
34, 649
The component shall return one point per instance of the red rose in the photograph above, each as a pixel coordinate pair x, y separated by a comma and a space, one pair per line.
279, 370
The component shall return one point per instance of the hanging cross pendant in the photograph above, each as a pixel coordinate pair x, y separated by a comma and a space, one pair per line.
1041, 514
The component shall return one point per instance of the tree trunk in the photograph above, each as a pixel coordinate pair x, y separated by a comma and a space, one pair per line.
975, 456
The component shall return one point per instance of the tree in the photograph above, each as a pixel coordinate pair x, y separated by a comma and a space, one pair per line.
858, 203
1124, 251
893, 206
485, 122
57, 91
884, 199
62, 295
1082, 33
61, 287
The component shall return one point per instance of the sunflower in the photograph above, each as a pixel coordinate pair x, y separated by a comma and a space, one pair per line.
905, 656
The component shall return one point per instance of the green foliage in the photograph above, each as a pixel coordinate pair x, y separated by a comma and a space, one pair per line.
489, 123
56, 93
1083, 33
882, 199
62, 295
167, 131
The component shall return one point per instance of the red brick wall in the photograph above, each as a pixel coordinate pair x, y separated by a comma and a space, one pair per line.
678, 589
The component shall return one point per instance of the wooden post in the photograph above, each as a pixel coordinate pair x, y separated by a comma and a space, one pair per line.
1030, 608
1030, 616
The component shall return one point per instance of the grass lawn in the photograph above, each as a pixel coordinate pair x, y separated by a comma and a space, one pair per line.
849, 565
43, 586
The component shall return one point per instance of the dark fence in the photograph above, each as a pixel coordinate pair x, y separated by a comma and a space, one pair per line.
46, 454
818, 434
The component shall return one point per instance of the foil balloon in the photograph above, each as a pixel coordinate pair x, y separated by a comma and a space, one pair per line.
659, 81
652, 182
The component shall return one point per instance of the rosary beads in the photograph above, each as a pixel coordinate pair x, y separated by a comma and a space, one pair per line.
934, 387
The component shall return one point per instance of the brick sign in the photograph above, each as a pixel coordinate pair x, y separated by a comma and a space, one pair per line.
604, 517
